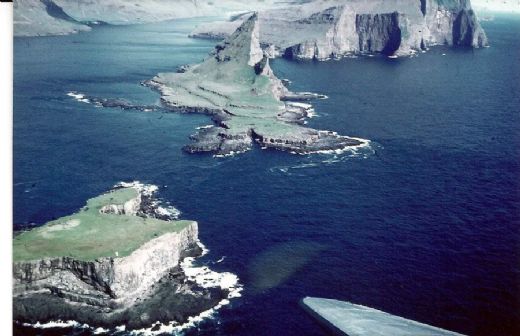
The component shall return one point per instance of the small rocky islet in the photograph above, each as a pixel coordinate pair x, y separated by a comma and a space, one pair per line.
116, 264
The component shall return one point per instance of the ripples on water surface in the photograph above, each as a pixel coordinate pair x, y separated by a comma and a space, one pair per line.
423, 224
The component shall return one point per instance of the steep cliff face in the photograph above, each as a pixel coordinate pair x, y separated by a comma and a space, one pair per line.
109, 280
452, 22
396, 27
467, 31
378, 32
351, 32
324, 29
148, 264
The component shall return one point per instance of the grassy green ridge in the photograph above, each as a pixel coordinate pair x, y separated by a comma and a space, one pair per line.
89, 234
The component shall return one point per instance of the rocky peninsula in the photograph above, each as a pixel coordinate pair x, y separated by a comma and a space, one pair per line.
327, 29
116, 263
246, 101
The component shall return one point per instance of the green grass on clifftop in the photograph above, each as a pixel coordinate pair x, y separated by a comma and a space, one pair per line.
89, 234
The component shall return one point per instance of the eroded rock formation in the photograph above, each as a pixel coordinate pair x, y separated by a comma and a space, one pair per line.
325, 29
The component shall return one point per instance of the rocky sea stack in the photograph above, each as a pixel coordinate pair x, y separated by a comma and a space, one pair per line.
122, 261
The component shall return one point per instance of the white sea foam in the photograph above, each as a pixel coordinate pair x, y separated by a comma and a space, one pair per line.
305, 165
57, 324
121, 328
311, 114
206, 278
205, 250
100, 330
205, 126
160, 209
231, 153
352, 149
78, 97
299, 105
169, 211
364, 150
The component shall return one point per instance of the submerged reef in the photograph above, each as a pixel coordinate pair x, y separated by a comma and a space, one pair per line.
246, 101
122, 261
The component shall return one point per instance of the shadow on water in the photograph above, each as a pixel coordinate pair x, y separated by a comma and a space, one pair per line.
279, 263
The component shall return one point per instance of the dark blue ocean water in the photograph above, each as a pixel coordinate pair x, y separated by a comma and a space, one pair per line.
425, 224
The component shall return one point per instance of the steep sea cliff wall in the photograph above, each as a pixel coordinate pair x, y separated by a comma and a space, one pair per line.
392, 28
114, 279
326, 29
379, 32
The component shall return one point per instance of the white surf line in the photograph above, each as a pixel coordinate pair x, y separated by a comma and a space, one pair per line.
80, 97
205, 278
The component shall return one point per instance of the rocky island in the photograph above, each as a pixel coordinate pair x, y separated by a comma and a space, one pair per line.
116, 263
246, 101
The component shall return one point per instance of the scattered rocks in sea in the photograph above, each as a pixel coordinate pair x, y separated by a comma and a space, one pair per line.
111, 102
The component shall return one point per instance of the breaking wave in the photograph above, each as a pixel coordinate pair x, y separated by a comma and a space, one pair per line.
162, 209
205, 278
78, 97
328, 157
